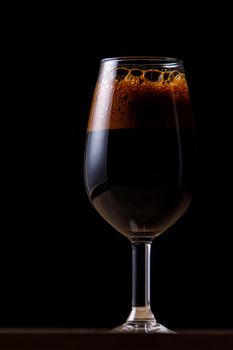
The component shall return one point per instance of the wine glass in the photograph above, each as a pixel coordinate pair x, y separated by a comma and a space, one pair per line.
140, 161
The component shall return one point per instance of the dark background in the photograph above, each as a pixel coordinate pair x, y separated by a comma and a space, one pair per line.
60, 263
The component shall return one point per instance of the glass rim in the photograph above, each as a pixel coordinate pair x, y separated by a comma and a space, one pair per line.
160, 60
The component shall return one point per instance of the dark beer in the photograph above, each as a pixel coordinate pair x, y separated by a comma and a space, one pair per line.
140, 151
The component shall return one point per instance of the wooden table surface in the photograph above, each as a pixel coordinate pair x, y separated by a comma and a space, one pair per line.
86, 339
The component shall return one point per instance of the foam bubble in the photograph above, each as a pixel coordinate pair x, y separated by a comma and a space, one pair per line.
121, 73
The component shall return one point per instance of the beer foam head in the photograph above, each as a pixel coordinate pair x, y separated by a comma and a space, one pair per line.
133, 98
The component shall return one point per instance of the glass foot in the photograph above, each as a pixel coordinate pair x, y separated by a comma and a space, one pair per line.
141, 327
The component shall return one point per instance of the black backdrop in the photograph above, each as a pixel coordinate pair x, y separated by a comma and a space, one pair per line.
60, 263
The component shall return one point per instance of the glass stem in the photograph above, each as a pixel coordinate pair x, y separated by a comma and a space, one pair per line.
141, 310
